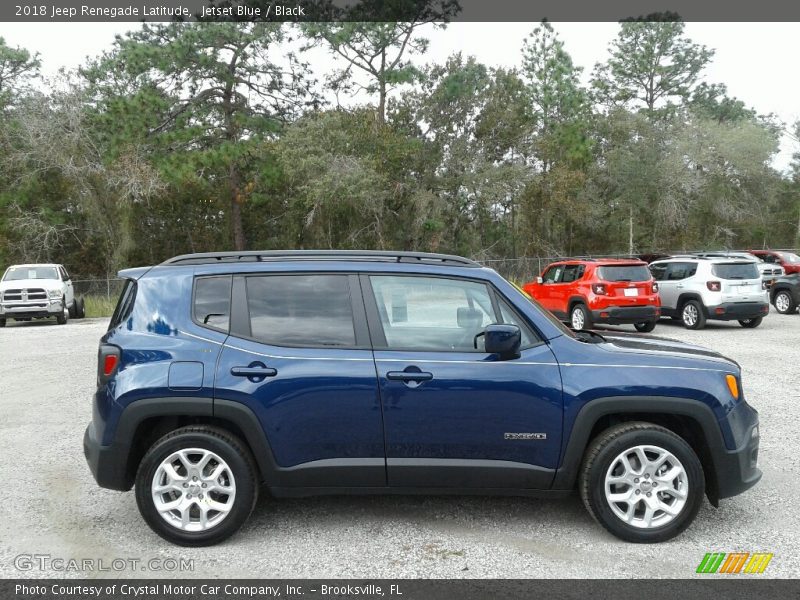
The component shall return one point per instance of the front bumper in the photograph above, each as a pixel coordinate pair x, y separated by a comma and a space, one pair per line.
31, 310
108, 464
734, 311
737, 470
625, 315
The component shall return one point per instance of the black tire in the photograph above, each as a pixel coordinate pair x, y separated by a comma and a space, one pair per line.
2, 322
603, 451
230, 449
751, 323
73, 309
586, 316
695, 322
63, 317
645, 327
788, 302
80, 307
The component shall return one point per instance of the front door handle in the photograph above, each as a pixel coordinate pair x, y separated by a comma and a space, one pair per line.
255, 372
409, 376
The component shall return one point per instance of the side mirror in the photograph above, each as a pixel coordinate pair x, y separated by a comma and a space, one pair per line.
539, 280
503, 340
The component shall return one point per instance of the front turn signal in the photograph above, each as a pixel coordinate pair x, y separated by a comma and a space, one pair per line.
733, 386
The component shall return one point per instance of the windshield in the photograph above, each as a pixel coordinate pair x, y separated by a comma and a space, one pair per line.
20, 273
790, 257
746, 270
624, 273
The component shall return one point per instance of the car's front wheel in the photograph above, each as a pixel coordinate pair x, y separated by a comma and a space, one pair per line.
784, 303
64, 316
642, 482
196, 486
2, 322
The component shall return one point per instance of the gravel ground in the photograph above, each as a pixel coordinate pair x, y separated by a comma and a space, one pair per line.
47, 375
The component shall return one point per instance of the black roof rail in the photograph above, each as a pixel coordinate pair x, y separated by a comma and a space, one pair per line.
205, 258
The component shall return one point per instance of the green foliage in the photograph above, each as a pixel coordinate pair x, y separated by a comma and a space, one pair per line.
211, 136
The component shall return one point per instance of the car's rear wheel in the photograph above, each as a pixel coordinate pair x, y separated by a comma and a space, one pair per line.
580, 317
751, 323
692, 315
642, 482
2, 322
645, 327
80, 307
784, 303
196, 486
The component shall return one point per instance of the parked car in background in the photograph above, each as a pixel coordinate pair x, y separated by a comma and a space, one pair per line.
694, 289
785, 294
357, 372
788, 260
769, 271
587, 292
38, 291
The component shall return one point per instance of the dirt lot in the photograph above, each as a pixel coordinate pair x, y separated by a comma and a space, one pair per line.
53, 507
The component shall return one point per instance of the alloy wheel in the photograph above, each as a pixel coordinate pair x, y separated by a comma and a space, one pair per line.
578, 320
690, 315
782, 302
646, 486
193, 489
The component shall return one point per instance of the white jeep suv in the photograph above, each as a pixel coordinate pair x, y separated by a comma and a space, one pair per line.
36, 292
694, 289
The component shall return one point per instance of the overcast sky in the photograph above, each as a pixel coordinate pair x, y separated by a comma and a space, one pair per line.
755, 60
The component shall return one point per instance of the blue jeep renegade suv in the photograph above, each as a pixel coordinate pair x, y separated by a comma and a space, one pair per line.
323, 372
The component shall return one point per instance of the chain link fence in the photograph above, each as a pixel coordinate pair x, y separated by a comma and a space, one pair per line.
105, 288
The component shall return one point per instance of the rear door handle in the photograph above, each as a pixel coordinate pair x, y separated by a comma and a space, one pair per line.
255, 372
409, 376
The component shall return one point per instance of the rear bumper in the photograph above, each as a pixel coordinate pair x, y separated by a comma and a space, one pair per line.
622, 315
734, 311
108, 464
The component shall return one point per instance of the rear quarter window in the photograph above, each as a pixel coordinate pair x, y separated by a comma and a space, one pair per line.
744, 270
124, 305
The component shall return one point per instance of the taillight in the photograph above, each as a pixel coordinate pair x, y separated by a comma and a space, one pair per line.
107, 362
655, 287
599, 289
714, 286
110, 364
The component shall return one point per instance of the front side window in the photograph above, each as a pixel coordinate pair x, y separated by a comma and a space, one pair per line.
212, 302
301, 310
429, 313
553, 274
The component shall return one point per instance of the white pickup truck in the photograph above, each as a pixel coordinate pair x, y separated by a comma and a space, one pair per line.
37, 292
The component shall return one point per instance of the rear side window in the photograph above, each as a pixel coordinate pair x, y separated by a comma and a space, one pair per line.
745, 270
681, 270
212, 302
624, 273
124, 304
572, 273
301, 310
659, 271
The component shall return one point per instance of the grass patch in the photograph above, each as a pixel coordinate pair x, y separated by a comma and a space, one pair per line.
99, 306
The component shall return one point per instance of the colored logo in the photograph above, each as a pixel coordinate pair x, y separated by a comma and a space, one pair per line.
734, 563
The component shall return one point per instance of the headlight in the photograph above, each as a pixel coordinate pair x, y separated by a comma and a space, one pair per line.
54, 293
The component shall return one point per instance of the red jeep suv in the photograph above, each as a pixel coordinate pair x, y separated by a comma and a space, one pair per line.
612, 291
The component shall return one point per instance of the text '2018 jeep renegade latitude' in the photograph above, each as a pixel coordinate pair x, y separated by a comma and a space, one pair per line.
312, 372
